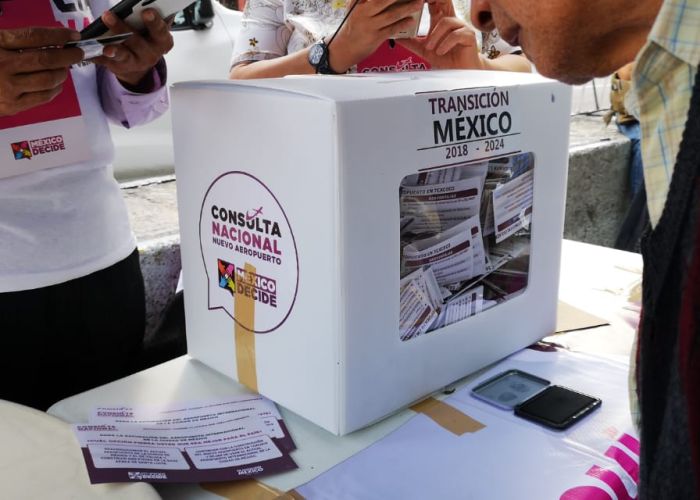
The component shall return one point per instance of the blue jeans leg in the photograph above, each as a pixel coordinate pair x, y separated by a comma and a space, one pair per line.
636, 170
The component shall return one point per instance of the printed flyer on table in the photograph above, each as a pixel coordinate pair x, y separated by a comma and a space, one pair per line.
215, 441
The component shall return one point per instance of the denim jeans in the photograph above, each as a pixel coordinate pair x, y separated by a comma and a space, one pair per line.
636, 170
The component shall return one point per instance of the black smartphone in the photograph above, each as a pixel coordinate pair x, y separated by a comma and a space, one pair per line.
557, 407
130, 12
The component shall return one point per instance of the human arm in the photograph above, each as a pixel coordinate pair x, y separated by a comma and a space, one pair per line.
290, 64
31, 75
132, 75
260, 47
369, 24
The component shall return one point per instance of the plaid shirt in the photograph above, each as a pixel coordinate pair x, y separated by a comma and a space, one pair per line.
662, 85
663, 82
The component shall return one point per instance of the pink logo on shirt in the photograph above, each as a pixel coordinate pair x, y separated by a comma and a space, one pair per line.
25, 150
21, 150
392, 57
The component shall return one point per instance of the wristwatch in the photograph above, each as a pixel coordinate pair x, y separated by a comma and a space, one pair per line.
319, 58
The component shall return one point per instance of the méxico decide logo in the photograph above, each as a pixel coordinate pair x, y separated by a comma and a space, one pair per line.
256, 286
25, 150
249, 252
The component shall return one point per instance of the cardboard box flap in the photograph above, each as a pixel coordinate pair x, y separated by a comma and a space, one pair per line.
357, 87
238, 85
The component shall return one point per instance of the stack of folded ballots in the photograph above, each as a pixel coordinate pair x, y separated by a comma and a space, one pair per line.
465, 241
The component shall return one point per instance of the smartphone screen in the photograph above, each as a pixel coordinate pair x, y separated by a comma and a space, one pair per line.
510, 388
557, 407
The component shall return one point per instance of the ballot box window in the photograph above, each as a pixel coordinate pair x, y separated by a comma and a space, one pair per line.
465, 241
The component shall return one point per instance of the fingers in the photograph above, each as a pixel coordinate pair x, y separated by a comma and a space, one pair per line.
158, 32
449, 9
374, 7
13, 105
42, 59
441, 8
415, 45
396, 10
450, 45
139, 52
155, 42
398, 27
115, 25
399, 13
108, 52
40, 81
134, 54
32, 38
136, 45
455, 38
116, 57
14, 86
32, 99
157, 36
31, 74
442, 29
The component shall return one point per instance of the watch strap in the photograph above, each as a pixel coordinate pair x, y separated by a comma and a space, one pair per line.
324, 67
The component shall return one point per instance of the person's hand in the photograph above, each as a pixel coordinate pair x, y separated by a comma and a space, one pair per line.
450, 44
440, 9
368, 26
31, 75
133, 60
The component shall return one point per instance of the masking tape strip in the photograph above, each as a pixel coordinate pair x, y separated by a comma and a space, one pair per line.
244, 308
448, 417
570, 318
248, 489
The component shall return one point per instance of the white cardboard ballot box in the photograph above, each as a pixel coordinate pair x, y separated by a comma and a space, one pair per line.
351, 244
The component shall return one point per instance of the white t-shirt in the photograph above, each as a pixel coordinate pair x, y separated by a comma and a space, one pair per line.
66, 222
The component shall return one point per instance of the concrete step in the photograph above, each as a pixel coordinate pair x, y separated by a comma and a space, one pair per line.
152, 205
598, 187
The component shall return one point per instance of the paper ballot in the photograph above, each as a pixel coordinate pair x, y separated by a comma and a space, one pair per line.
224, 440
467, 228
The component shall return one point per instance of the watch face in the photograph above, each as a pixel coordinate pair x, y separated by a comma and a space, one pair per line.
316, 54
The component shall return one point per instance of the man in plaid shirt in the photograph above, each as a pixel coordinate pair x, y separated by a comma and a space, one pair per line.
575, 41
